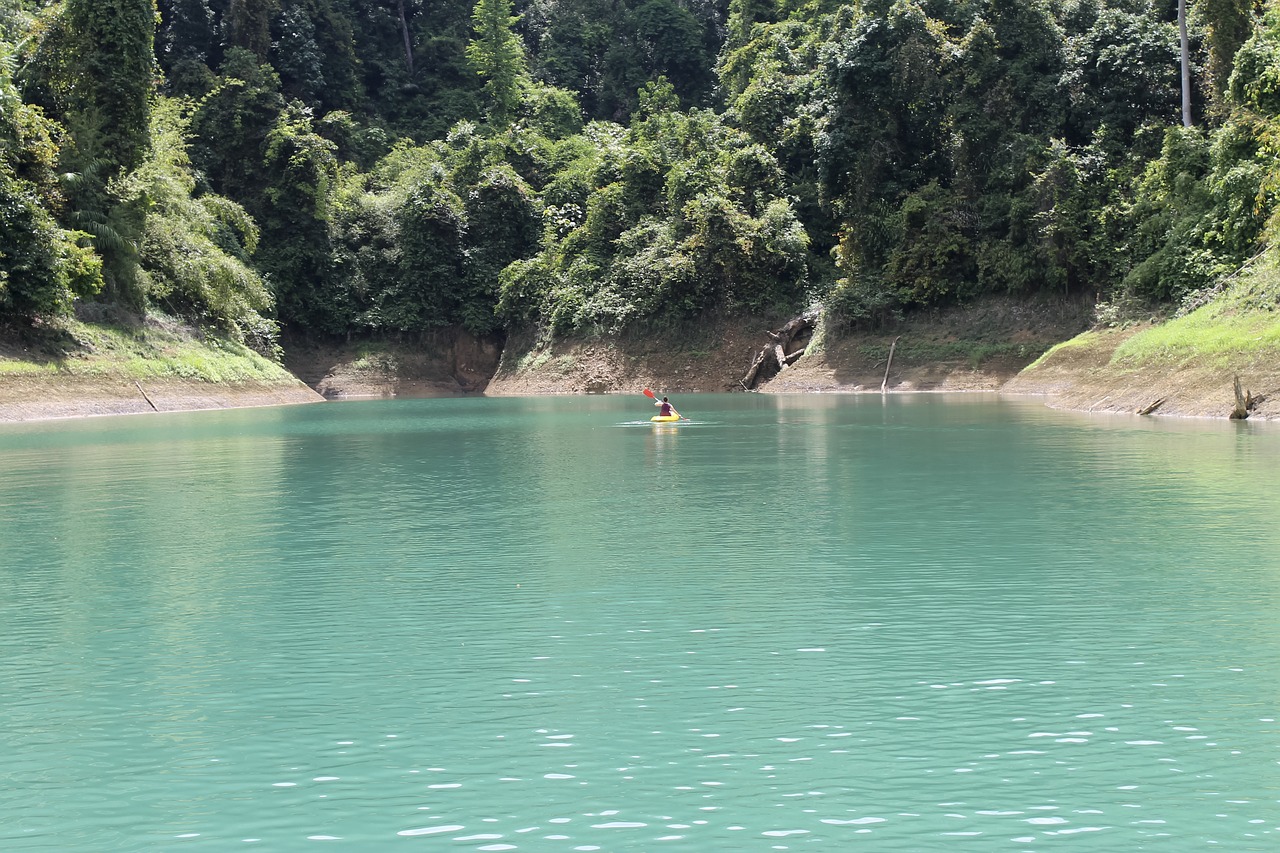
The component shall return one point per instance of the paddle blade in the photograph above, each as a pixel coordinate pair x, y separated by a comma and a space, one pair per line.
650, 394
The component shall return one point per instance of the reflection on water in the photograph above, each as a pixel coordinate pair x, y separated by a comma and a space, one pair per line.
906, 624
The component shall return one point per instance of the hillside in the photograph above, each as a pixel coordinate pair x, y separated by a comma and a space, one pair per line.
548, 174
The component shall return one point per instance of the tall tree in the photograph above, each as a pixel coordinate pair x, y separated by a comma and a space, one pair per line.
113, 74
187, 44
93, 67
497, 55
248, 25
1228, 23
1185, 62
41, 266
404, 33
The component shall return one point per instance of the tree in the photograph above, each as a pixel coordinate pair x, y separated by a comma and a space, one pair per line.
884, 128
428, 290
112, 67
187, 45
301, 171
42, 267
196, 247
1184, 62
669, 39
1121, 75
570, 39
312, 47
743, 16
248, 25
497, 55
404, 34
1228, 24
93, 67
503, 225
231, 124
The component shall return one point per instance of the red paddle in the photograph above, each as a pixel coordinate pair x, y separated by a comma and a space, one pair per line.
653, 396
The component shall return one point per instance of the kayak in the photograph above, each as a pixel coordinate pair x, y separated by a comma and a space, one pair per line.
665, 419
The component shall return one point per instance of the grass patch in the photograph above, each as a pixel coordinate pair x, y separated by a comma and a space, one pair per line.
532, 361
1240, 325
1081, 341
975, 353
157, 350
15, 367
1203, 339
1234, 328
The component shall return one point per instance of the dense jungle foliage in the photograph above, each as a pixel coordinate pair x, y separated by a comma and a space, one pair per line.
388, 166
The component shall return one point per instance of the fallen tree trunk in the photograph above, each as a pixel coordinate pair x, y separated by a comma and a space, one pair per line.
748, 382
775, 353
1146, 410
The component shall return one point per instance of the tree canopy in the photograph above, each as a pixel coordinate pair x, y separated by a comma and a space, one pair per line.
573, 165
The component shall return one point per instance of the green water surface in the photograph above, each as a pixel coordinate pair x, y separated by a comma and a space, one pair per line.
824, 622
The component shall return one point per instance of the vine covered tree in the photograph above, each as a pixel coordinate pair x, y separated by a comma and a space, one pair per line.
112, 75
42, 266
497, 54
93, 68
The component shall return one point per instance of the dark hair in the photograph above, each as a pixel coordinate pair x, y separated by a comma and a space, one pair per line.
664, 399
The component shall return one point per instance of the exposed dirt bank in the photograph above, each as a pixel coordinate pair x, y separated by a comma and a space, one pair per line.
447, 362
989, 346
28, 398
708, 357
1083, 375
974, 348
994, 345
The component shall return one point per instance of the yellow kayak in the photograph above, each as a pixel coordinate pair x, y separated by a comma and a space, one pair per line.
665, 419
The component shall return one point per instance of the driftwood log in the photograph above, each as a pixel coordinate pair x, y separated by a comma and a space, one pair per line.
773, 357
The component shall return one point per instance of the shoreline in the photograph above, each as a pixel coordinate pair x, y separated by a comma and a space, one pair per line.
33, 400
998, 346
173, 397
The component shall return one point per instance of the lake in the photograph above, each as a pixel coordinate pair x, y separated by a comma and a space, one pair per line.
912, 623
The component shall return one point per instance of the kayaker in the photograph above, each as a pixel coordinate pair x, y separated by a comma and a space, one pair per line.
664, 410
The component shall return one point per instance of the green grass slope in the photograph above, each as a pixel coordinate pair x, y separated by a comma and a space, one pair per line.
82, 368
1185, 366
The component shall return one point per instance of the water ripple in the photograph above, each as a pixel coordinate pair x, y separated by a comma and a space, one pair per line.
426, 623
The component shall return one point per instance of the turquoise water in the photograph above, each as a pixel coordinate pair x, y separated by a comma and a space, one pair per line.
831, 623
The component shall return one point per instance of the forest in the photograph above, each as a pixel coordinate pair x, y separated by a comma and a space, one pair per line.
386, 167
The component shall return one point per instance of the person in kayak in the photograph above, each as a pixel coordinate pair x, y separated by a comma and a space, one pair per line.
664, 410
